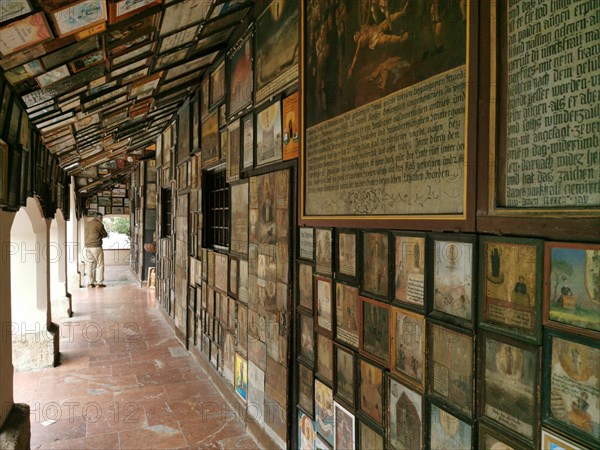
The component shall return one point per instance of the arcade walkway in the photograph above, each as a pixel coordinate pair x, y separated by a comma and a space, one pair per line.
125, 381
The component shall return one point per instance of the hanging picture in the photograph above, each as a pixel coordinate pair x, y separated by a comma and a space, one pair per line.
510, 270
307, 338
375, 330
324, 358
368, 438
248, 142
14, 8
305, 285
241, 77
210, 139
346, 248
347, 314
375, 264
291, 124
552, 441
510, 376
217, 85
233, 277
233, 152
572, 287
86, 61
324, 250
344, 375
241, 377
268, 134
239, 219
24, 33
306, 432
408, 347
196, 123
306, 242
452, 282
344, 428
76, 17
52, 76
409, 270
451, 367
447, 431
123, 9
4, 155
405, 416
324, 423
370, 378
306, 390
573, 382
323, 303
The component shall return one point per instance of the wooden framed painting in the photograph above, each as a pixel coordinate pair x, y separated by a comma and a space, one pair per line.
347, 314
409, 270
14, 9
86, 61
241, 79
241, 377
324, 304
324, 359
405, 416
510, 290
4, 157
291, 123
306, 243
408, 345
248, 141
324, 250
571, 287
52, 76
452, 278
551, 441
447, 431
232, 291
368, 437
371, 392
509, 390
196, 136
243, 282
306, 351
489, 438
123, 9
239, 219
268, 134
217, 85
324, 424
346, 253
204, 97
24, 33
345, 376
451, 363
375, 330
375, 264
76, 17
306, 396
233, 151
345, 432
305, 285
571, 381
210, 139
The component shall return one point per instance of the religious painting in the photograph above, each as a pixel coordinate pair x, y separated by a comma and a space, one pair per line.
217, 84
243, 281
210, 139
346, 248
87, 61
52, 76
242, 328
491, 439
305, 285
75, 17
183, 132
324, 250
241, 377
368, 438
268, 134
241, 78
239, 219
277, 49
510, 270
409, 270
233, 152
306, 389
347, 314
233, 277
291, 124
370, 378
323, 302
345, 423
222, 117
552, 441
405, 416
447, 431
306, 237
375, 330
408, 346
452, 279
123, 9
572, 368
344, 375
324, 424
24, 72
324, 358
204, 97
24, 33
509, 390
306, 432
451, 367
13, 9
572, 287
375, 264
248, 142
196, 123
307, 338
228, 358
361, 59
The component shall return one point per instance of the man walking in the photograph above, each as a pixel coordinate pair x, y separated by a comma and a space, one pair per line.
94, 264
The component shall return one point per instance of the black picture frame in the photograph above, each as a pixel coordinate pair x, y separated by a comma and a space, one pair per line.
345, 398
342, 269
411, 259
375, 268
364, 395
306, 342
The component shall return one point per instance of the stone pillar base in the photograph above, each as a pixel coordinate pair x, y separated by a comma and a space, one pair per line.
61, 308
36, 349
15, 434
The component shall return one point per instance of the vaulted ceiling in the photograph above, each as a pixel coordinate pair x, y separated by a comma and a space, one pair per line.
101, 78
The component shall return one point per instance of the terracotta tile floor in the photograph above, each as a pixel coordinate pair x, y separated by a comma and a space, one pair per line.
123, 382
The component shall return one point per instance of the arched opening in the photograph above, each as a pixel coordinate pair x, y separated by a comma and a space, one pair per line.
35, 341
57, 256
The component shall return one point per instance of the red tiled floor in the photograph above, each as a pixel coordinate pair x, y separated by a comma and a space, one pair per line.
122, 383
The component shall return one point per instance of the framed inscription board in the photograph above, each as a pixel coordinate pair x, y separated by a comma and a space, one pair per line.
540, 158
389, 109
